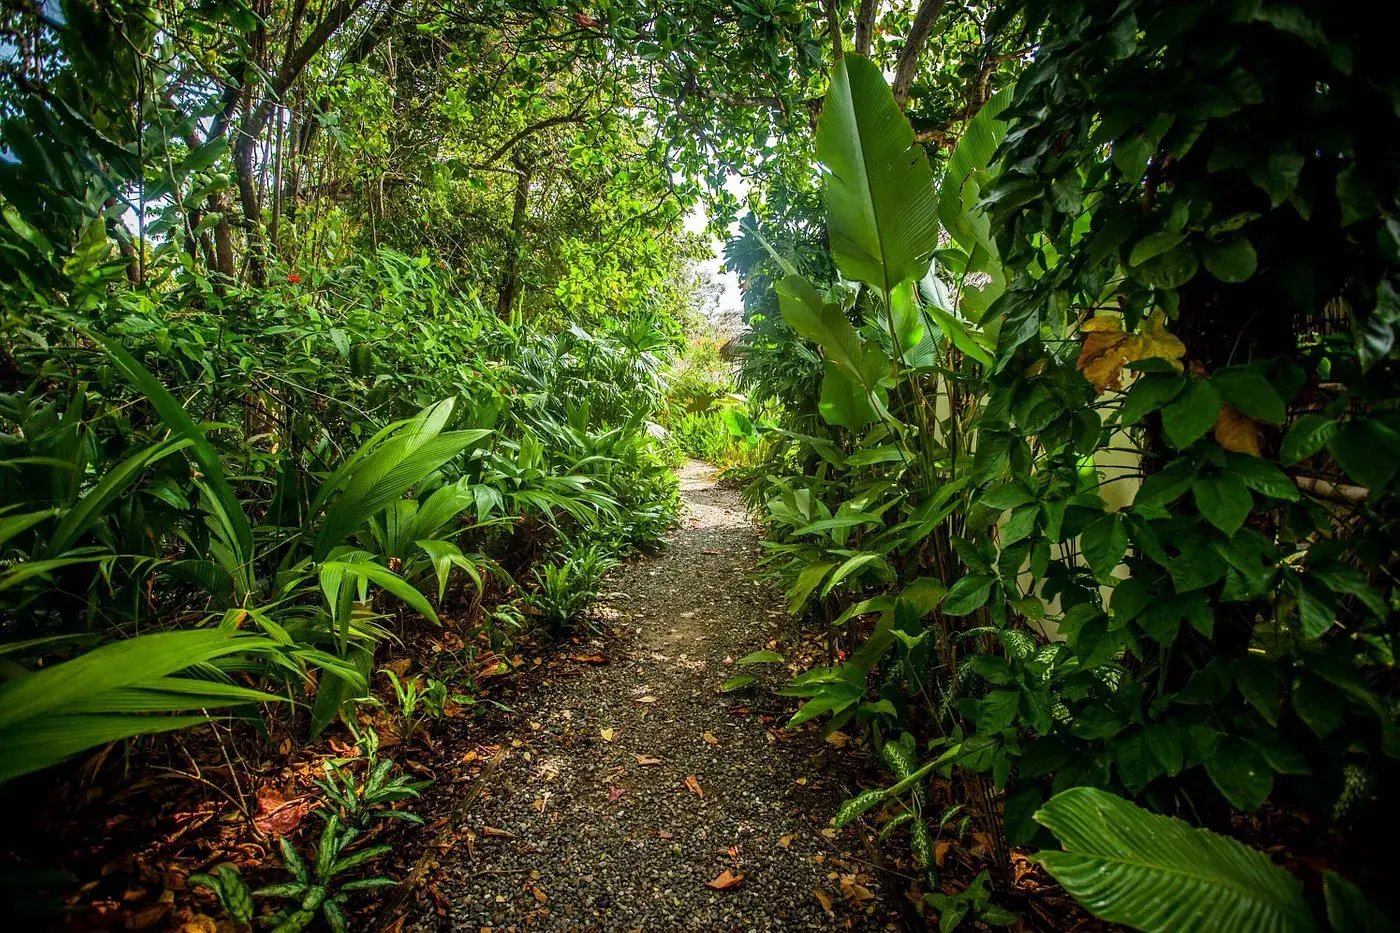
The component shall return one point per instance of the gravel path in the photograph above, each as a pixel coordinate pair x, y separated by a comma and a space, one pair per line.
595, 817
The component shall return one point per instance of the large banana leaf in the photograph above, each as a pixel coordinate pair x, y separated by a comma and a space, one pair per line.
879, 188
851, 392
117, 691
966, 176
1153, 872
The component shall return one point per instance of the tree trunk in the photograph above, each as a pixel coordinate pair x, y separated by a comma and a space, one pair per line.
510, 279
865, 25
252, 210
908, 65
833, 29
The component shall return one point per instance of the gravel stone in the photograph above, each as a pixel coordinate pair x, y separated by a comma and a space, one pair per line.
573, 831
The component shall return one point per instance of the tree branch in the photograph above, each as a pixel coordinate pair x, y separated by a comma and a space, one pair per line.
573, 116
833, 29
908, 64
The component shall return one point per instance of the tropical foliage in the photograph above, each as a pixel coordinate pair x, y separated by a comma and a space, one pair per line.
1074, 505
1065, 395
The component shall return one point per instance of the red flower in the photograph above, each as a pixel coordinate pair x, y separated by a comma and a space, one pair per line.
294, 279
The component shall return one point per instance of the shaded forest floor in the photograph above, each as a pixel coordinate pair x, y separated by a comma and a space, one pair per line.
624, 790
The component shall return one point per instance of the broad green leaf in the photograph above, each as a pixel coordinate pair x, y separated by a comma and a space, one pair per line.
1193, 413
1232, 261
1224, 500
1104, 541
852, 809
1307, 436
762, 657
1240, 773
1368, 450
832, 700
838, 522
878, 186
853, 564
968, 594
997, 710
1251, 393
966, 175
1156, 873
1153, 245
1351, 911
807, 581
844, 402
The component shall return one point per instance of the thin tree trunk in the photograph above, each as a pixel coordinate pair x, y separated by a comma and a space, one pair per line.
908, 65
833, 29
248, 196
279, 141
865, 25
223, 237
510, 280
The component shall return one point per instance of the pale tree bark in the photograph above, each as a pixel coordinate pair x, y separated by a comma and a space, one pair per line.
865, 25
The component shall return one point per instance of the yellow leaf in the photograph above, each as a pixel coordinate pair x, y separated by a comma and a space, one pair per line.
1107, 349
1237, 432
608, 734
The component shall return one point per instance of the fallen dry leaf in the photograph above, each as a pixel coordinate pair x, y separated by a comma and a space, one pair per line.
499, 833
822, 899
647, 760
726, 880
785, 841
694, 785
589, 658
276, 816
646, 699
710, 738
614, 793
608, 734
852, 889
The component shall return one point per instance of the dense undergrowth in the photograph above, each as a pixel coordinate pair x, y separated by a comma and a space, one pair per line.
1066, 397
220, 500
1096, 494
